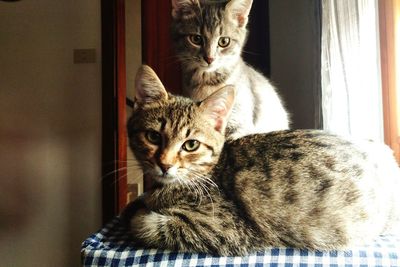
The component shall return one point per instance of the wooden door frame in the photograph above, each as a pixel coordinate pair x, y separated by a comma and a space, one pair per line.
389, 13
114, 144
156, 53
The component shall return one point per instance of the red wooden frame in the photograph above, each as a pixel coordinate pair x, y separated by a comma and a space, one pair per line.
114, 181
389, 17
121, 99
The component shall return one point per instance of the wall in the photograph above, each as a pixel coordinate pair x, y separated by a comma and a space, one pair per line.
50, 127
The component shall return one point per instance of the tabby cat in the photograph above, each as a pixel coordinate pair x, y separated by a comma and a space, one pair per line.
298, 188
209, 37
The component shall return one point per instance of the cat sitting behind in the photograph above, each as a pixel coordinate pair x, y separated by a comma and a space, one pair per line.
209, 37
298, 188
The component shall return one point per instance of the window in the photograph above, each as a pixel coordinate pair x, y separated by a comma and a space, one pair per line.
360, 68
350, 69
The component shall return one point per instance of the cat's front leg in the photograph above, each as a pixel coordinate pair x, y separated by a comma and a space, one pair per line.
131, 209
147, 227
178, 230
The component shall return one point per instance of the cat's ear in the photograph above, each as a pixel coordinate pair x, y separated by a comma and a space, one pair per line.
148, 87
217, 107
239, 10
183, 8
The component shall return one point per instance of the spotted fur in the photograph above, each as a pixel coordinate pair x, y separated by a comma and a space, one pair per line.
258, 108
299, 188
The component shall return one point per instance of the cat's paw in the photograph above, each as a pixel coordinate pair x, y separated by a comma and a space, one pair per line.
145, 225
130, 210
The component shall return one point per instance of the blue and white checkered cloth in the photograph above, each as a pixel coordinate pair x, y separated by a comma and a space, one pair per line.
111, 247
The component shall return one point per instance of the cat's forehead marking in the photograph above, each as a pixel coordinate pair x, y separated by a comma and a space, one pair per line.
163, 123
207, 32
172, 122
220, 30
211, 17
187, 133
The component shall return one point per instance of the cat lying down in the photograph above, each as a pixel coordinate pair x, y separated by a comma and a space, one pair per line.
298, 188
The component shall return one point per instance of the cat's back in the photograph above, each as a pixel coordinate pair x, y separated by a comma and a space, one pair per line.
311, 189
314, 155
302, 146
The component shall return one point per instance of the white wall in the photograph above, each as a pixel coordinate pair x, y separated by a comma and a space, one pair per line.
50, 130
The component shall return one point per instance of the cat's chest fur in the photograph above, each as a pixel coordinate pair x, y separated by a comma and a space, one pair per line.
257, 107
199, 84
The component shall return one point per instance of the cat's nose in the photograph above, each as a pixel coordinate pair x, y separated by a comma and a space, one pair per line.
209, 60
165, 167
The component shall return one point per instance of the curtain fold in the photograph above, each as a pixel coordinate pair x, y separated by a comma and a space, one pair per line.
158, 51
350, 69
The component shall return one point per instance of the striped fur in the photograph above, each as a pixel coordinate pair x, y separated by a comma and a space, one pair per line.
299, 188
258, 107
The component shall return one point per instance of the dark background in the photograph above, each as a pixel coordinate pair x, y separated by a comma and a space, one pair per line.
284, 43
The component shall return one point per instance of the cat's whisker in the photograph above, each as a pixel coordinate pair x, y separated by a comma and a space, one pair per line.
200, 190
208, 181
124, 172
206, 189
179, 179
251, 53
121, 177
169, 57
114, 171
196, 192
204, 178
171, 63
189, 59
200, 183
121, 169
127, 162
172, 60
195, 189
177, 60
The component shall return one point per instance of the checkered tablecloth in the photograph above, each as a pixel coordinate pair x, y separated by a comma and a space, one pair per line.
111, 247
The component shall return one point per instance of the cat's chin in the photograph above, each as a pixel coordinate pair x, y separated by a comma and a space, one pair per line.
164, 179
211, 68
205, 67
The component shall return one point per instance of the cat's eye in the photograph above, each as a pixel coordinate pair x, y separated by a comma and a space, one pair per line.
196, 39
191, 145
224, 41
153, 137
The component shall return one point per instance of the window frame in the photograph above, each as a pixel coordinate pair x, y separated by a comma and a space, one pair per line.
389, 16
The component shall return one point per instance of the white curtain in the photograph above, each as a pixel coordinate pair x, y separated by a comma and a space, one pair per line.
350, 68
